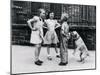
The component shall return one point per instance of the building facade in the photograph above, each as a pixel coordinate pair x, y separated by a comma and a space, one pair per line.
82, 19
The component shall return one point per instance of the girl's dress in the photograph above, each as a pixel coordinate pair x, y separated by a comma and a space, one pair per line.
51, 36
36, 36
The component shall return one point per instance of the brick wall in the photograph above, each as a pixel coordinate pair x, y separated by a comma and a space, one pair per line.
88, 35
21, 35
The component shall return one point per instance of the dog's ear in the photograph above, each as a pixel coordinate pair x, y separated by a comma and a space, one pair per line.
78, 35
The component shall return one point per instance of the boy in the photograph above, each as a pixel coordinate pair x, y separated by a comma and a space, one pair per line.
64, 40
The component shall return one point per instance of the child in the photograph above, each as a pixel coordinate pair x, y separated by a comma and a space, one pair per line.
37, 33
64, 40
51, 36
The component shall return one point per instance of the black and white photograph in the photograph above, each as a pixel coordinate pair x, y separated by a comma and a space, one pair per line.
52, 37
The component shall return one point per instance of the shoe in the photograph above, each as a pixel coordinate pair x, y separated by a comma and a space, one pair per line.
58, 56
38, 63
63, 64
66, 63
49, 58
79, 60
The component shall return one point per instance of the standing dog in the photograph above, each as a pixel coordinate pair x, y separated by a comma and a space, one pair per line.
80, 45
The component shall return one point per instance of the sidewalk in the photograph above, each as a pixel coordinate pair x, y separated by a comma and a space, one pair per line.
23, 61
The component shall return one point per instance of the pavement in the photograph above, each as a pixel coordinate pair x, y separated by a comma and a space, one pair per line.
23, 61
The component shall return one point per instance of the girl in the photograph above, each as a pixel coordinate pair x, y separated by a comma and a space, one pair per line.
64, 39
37, 33
51, 36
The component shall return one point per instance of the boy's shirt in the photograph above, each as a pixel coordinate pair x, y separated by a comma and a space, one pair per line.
65, 29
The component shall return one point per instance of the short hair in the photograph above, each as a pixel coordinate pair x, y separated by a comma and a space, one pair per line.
39, 11
65, 16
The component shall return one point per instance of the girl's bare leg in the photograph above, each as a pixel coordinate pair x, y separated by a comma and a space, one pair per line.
48, 52
37, 51
56, 50
48, 49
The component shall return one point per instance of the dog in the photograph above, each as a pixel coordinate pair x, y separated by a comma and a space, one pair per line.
79, 45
